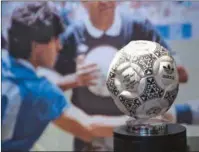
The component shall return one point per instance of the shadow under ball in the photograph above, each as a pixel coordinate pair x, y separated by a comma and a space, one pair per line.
172, 140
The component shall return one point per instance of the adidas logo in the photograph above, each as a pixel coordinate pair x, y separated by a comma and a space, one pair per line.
168, 69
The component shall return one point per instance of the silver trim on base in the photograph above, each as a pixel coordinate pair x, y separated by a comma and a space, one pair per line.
145, 128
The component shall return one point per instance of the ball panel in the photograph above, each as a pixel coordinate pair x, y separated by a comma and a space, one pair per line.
149, 109
111, 86
152, 90
145, 62
167, 74
141, 86
121, 106
171, 95
160, 51
130, 104
129, 80
140, 45
137, 69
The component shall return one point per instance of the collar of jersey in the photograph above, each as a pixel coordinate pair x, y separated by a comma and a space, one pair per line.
114, 30
27, 64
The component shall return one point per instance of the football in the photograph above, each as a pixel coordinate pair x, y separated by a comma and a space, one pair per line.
143, 79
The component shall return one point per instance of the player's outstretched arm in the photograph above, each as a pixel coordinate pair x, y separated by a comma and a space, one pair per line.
83, 77
74, 127
87, 127
103, 126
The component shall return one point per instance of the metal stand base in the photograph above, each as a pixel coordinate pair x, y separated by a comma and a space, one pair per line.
171, 138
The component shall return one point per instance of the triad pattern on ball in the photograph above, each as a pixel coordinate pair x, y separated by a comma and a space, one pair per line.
143, 79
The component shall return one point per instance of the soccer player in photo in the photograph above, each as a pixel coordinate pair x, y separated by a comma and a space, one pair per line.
30, 102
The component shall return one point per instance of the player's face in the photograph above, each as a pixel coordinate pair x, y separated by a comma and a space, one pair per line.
101, 10
46, 54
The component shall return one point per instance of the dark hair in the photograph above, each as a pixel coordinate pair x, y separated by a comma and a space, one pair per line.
3, 42
36, 21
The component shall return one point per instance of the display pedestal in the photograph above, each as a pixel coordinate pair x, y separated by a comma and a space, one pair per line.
172, 140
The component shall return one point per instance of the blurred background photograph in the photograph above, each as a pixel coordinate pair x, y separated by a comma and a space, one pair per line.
61, 51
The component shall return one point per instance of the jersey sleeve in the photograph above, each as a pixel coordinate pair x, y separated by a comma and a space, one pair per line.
146, 31
188, 113
52, 103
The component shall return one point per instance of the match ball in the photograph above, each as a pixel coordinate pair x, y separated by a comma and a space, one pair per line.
143, 79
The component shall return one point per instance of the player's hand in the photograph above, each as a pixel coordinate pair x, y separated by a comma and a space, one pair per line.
100, 130
86, 74
183, 76
169, 117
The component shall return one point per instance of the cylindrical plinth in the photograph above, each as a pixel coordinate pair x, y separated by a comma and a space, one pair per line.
174, 140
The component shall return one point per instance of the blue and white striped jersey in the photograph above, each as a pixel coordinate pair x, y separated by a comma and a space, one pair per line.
29, 103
